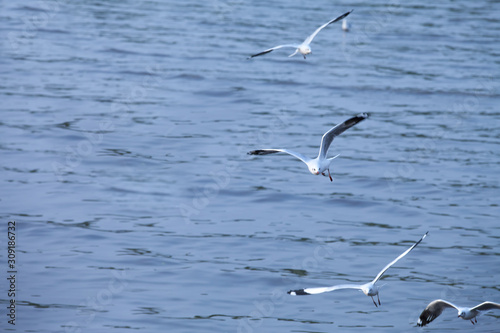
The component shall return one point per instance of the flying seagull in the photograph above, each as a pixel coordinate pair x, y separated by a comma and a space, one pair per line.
369, 289
435, 308
303, 48
320, 164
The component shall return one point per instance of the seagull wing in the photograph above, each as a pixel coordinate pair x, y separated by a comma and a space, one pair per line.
328, 137
433, 310
272, 151
272, 49
319, 290
486, 306
395, 260
310, 38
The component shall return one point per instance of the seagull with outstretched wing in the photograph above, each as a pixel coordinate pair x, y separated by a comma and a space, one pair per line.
303, 48
435, 308
369, 289
321, 163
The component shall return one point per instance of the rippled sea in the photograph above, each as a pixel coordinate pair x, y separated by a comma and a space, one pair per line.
124, 131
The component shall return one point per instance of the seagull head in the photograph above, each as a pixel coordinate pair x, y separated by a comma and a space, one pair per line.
461, 313
305, 49
314, 168
369, 289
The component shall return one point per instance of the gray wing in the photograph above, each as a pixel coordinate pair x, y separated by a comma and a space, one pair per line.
328, 137
310, 38
319, 290
486, 306
272, 49
272, 151
433, 310
395, 260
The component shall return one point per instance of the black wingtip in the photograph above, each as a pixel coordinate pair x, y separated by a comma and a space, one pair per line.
262, 152
425, 318
421, 239
356, 119
260, 53
257, 152
299, 292
344, 15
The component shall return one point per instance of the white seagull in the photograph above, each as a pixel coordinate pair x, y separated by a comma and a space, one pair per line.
303, 48
369, 289
320, 164
435, 308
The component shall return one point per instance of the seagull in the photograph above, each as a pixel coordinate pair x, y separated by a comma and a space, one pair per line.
345, 25
303, 48
435, 308
320, 164
369, 289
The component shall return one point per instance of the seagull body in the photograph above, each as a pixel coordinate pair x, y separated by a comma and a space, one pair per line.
369, 289
435, 308
345, 25
321, 163
303, 48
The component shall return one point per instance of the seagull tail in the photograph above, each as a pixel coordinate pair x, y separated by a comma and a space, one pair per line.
334, 157
294, 53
